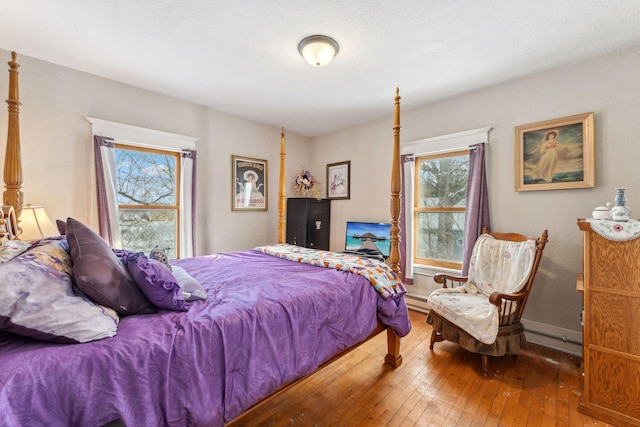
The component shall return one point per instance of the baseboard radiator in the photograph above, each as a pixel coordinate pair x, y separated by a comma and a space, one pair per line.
537, 333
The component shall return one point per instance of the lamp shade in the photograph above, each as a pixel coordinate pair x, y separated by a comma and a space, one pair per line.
36, 224
318, 50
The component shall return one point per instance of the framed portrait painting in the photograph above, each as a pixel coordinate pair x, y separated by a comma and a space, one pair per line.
249, 184
555, 154
339, 180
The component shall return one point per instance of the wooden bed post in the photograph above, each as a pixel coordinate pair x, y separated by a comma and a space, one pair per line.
394, 255
393, 357
282, 194
12, 162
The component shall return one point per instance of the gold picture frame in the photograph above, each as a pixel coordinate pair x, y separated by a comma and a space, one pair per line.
249, 184
555, 154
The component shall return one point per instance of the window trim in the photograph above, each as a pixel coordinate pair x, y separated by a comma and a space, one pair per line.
142, 137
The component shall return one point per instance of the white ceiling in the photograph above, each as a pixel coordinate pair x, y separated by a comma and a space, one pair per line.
241, 56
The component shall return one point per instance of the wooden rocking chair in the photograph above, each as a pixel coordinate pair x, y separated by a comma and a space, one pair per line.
501, 272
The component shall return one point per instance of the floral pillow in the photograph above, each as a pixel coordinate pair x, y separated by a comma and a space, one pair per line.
12, 248
37, 299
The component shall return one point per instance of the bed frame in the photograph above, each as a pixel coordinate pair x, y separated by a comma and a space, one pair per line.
13, 203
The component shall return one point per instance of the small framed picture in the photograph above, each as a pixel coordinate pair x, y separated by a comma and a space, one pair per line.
338, 180
555, 154
249, 184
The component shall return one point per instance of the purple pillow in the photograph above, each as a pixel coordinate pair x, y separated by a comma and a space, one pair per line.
157, 282
62, 227
98, 272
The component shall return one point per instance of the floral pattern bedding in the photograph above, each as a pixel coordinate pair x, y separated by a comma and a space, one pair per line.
382, 278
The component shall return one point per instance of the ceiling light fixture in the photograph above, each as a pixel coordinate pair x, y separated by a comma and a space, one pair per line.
318, 50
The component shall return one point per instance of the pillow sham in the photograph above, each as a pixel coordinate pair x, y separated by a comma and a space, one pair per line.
157, 282
192, 290
37, 299
99, 273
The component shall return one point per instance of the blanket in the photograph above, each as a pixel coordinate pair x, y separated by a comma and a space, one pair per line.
384, 280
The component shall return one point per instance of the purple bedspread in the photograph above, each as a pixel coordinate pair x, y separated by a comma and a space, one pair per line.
267, 321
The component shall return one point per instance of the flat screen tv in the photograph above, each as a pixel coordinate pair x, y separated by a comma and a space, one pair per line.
368, 235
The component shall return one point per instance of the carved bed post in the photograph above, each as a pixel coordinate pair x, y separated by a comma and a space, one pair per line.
282, 194
12, 162
394, 255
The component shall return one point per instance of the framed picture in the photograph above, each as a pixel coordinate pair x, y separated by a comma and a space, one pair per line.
555, 154
249, 184
338, 180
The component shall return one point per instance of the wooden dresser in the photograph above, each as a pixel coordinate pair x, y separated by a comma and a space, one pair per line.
610, 283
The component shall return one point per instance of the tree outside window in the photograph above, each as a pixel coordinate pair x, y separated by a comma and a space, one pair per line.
148, 198
439, 209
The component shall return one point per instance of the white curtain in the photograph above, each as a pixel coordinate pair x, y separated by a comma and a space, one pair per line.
187, 202
104, 149
409, 171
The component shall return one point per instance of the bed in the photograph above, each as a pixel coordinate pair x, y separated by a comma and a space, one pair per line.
263, 319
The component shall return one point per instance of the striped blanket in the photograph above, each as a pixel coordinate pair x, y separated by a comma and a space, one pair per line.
382, 278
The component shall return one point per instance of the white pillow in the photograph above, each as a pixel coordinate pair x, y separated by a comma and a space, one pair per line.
192, 290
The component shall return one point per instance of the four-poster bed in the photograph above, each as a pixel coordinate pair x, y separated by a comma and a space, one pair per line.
205, 365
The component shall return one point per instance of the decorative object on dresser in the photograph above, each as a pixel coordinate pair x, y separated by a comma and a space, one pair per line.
555, 154
482, 312
620, 212
339, 180
610, 287
250, 180
308, 222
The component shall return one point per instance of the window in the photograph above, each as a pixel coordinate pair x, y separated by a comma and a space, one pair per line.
439, 208
159, 213
148, 198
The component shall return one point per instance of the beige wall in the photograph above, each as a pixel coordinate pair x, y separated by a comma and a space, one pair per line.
58, 158
608, 86
58, 161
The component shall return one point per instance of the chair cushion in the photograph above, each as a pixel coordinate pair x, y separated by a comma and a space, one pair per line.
500, 265
471, 312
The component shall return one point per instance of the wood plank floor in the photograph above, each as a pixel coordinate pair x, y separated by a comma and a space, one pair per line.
431, 388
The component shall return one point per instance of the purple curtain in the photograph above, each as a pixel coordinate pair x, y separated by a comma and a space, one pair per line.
104, 224
477, 215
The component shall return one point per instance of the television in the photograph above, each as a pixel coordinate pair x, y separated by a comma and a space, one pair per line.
368, 235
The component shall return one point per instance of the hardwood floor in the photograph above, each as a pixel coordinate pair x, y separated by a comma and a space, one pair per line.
442, 387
